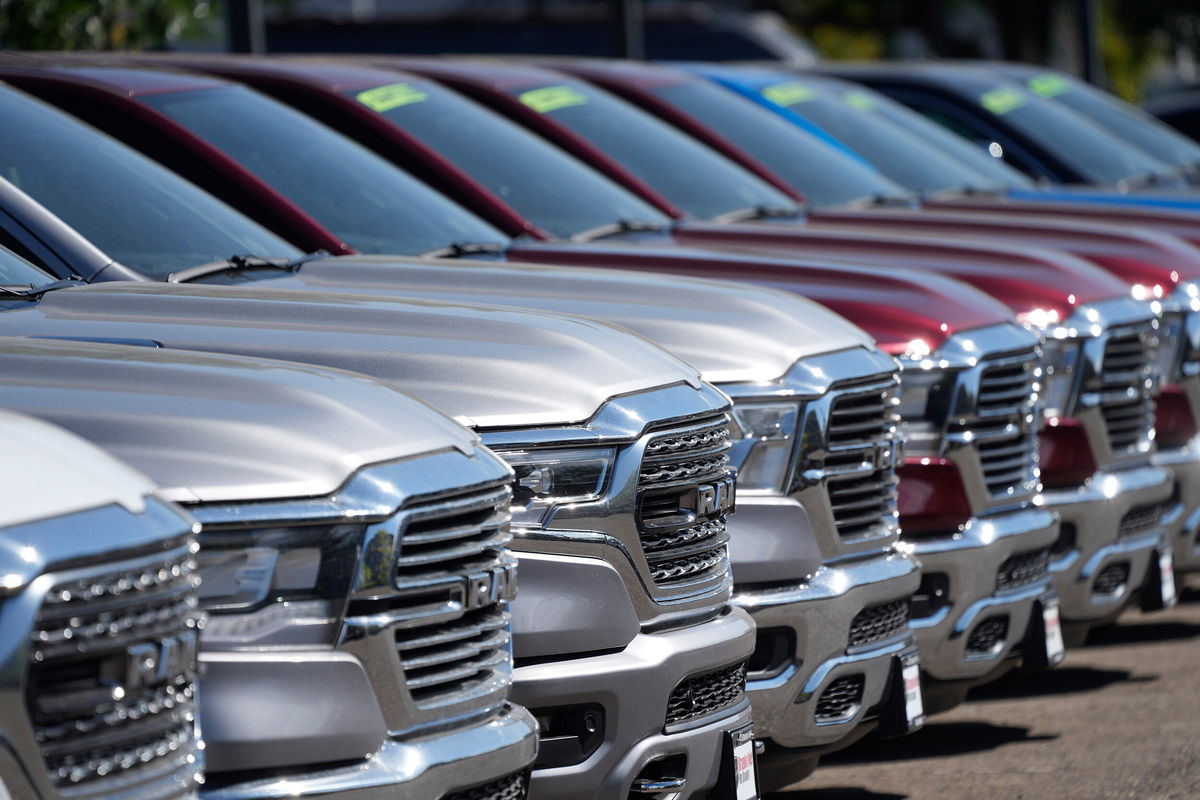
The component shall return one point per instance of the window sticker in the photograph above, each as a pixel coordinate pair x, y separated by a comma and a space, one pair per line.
859, 101
1049, 85
1002, 100
788, 94
552, 98
394, 95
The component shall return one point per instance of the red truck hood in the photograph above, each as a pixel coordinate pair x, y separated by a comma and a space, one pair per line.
1138, 256
902, 309
1024, 279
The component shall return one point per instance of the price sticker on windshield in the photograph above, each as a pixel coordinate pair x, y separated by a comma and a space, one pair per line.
789, 94
859, 101
394, 95
552, 98
1048, 85
1002, 100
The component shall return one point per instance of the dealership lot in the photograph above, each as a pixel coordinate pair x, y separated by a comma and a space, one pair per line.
1119, 719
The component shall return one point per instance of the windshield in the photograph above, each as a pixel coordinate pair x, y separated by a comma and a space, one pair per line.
136, 211
689, 174
900, 155
366, 201
15, 270
1083, 146
1126, 121
554, 190
826, 176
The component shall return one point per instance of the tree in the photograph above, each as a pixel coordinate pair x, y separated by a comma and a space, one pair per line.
97, 24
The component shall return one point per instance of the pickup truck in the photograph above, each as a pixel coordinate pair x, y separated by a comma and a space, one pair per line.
334, 662
99, 608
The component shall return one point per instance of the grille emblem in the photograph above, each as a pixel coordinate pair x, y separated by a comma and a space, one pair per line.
714, 498
153, 663
486, 588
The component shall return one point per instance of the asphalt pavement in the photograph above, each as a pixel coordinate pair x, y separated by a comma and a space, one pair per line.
1119, 718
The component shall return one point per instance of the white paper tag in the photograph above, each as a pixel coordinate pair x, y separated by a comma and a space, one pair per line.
743, 770
1166, 569
1053, 628
914, 706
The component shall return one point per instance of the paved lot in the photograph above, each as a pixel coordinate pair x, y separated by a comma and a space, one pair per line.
1120, 718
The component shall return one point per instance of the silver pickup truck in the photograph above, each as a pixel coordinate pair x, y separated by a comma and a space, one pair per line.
354, 563
622, 487
98, 609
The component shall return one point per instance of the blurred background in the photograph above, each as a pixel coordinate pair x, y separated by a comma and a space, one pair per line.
1136, 48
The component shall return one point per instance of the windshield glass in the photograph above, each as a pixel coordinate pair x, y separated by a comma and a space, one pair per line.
15, 270
689, 174
366, 201
1129, 122
826, 176
1082, 145
136, 211
548, 186
900, 155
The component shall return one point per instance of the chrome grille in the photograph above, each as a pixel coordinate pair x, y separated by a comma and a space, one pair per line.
841, 700
876, 623
510, 787
1002, 431
111, 688
457, 544
1125, 401
861, 482
1022, 569
701, 695
683, 541
1140, 521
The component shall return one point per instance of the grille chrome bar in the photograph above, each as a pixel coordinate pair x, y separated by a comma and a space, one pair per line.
701, 695
1125, 402
860, 482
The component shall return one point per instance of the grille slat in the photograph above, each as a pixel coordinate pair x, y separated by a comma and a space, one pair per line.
684, 544
1001, 431
861, 423
701, 695
111, 686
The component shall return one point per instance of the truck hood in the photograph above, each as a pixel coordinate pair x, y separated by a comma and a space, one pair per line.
732, 332
215, 428
1023, 278
1137, 256
895, 306
488, 366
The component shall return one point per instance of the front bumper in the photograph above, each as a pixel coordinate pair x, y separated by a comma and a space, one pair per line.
1092, 554
1182, 520
820, 613
977, 624
632, 687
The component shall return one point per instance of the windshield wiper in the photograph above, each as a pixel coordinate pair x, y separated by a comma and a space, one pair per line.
240, 263
460, 249
618, 228
34, 292
758, 212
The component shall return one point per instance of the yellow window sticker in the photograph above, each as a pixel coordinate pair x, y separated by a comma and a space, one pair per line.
394, 95
552, 98
1049, 85
859, 101
1002, 100
788, 94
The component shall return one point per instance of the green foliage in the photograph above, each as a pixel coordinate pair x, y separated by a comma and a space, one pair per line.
96, 24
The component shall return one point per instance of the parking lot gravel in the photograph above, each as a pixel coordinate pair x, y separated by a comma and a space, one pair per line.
1120, 718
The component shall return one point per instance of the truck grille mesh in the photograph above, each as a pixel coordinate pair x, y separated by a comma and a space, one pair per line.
1125, 402
988, 636
701, 695
1005, 439
511, 787
455, 543
876, 623
860, 485
1022, 569
841, 700
685, 542
1140, 521
111, 691
1111, 580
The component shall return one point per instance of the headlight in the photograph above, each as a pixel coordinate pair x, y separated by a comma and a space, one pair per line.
763, 456
548, 478
919, 421
276, 585
1057, 389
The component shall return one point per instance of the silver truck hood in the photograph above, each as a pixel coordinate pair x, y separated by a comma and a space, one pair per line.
214, 428
489, 367
732, 332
